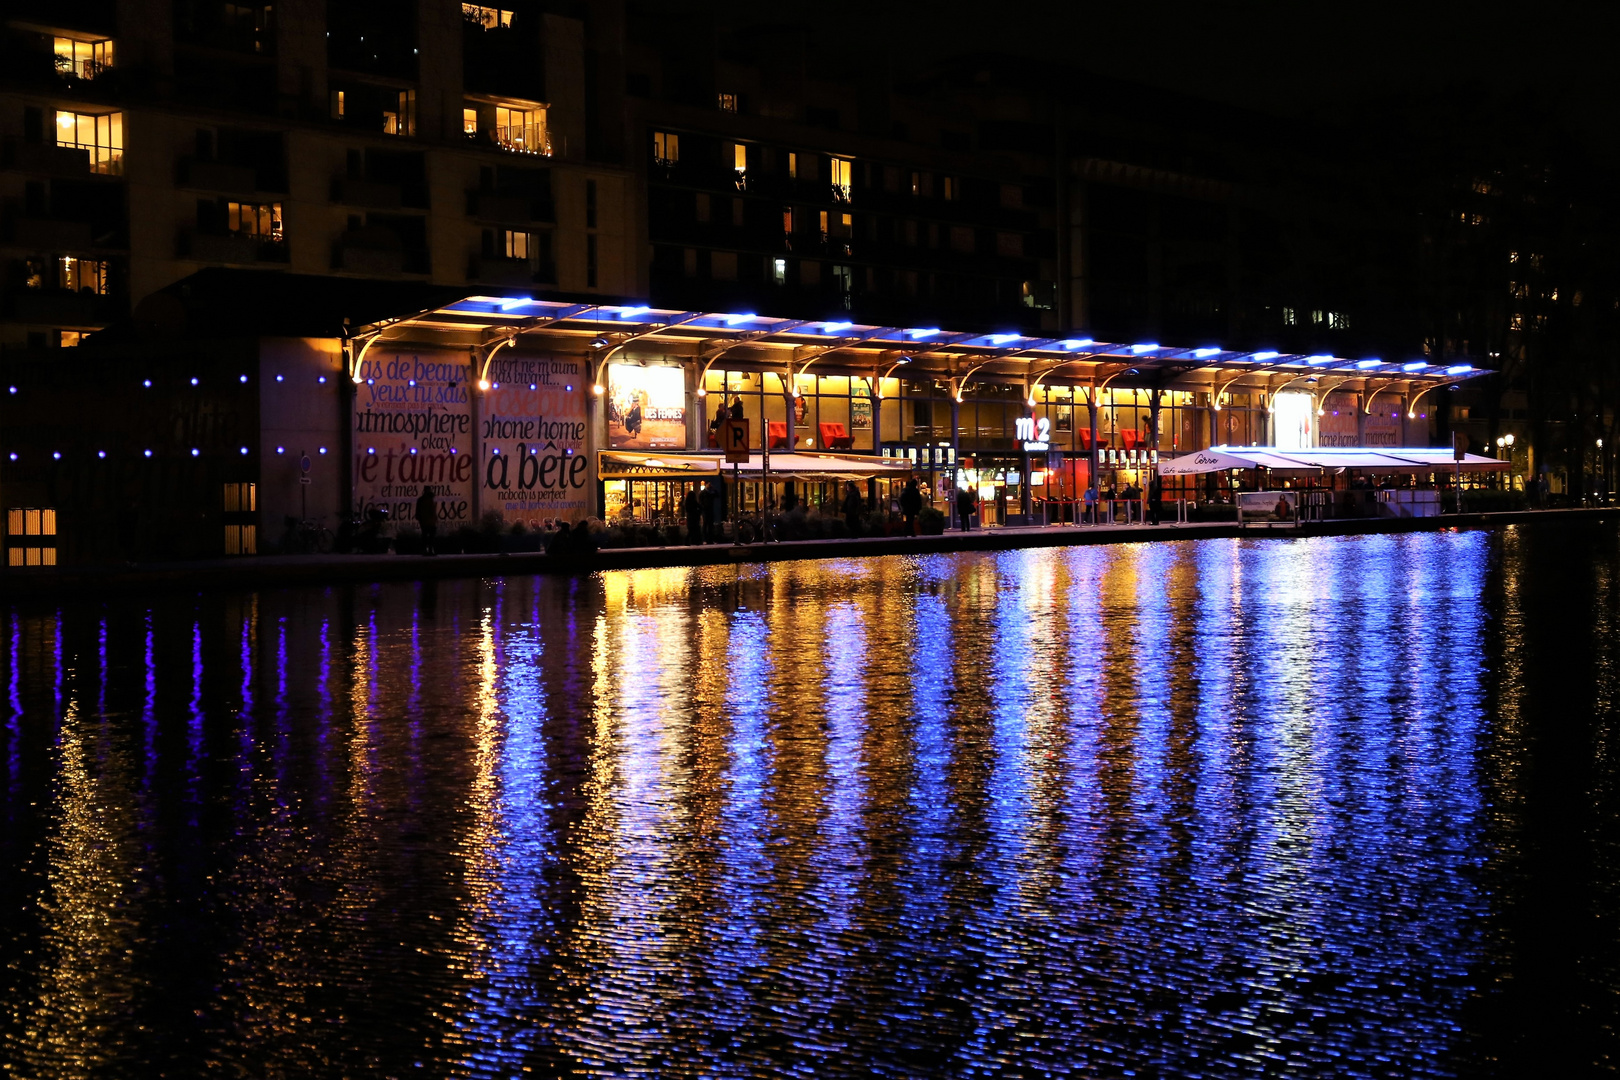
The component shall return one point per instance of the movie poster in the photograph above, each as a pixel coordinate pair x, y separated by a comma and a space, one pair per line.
860, 406
534, 465
413, 426
646, 407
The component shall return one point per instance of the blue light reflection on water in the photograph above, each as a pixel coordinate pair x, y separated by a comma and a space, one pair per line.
1192, 809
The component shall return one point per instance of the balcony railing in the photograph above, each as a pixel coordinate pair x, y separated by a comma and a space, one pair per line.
523, 138
80, 69
109, 161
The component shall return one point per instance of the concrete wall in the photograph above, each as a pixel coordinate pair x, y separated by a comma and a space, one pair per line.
298, 415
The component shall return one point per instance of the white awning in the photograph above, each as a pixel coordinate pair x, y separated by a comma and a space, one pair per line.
1201, 461
617, 464
1421, 459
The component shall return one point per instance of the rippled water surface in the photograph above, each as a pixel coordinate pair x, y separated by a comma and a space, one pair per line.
1326, 807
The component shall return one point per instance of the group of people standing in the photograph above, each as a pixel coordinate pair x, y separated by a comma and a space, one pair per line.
705, 510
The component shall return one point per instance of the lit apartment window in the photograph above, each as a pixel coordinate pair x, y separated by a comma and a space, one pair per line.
842, 170
85, 59
82, 275
34, 273
31, 536
822, 222
241, 538
518, 244
490, 18
779, 271
1316, 318
793, 166
666, 147
69, 339
257, 221
102, 136
1338, 320
787, 220
469, 121
947, 187
1290, 317
844, 282
339, 105
521, 130
401, 118
739, 158
241, 498
728, 103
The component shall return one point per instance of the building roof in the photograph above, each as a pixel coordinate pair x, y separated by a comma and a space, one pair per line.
611, 329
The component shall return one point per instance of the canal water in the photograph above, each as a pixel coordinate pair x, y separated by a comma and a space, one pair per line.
1320, 807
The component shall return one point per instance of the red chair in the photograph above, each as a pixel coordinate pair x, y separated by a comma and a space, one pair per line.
1130, 435
778, 433
834, 437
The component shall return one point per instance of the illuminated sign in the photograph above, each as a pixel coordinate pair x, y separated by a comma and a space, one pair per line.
1034, 433
646, 407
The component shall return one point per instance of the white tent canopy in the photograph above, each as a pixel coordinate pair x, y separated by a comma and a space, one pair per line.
1375, 459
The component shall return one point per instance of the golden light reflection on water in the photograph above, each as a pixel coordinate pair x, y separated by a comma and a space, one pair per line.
1173, 805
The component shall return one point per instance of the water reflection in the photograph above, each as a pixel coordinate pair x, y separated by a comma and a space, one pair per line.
1211, 808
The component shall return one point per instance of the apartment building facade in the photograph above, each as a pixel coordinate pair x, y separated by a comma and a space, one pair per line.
438, 142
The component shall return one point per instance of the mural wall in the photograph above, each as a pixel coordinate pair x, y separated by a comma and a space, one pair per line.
519, 449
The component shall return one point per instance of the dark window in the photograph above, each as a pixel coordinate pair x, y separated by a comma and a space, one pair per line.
590, 204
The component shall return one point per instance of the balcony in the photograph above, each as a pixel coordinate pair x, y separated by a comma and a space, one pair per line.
49, 234
104, 160
63, 308
510, 273
47, 158
523, 139
241, 249
219, 176
508, 208
376, 251
368, 193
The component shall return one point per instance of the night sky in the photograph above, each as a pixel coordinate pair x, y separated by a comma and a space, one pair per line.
1282, 57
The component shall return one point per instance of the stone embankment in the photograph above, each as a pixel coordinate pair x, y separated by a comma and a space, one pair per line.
276, 571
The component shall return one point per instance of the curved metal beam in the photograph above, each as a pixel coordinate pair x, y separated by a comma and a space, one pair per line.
1036, 385
741, 341
1411, 406
607, 354
483, 372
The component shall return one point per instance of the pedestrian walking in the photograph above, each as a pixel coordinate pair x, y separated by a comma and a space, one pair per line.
854, 506
910, 507
717, 508
705, 499
427, 519
1155, 500
692, 505
965, 508
1091, 505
